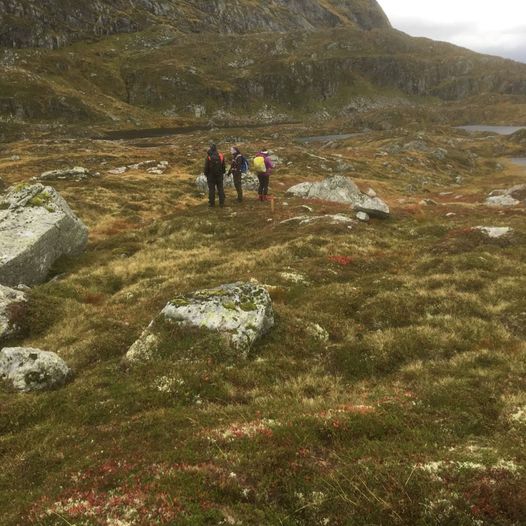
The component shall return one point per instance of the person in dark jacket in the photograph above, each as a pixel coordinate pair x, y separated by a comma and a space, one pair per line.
236, 169
214, 172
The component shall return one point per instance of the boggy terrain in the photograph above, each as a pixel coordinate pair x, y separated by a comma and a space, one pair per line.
391, 389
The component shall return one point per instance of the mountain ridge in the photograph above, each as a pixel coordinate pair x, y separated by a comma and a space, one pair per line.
57, 23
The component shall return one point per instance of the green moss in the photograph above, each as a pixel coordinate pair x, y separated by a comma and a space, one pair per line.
248, 306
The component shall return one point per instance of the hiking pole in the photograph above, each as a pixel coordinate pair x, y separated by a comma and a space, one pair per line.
272, 204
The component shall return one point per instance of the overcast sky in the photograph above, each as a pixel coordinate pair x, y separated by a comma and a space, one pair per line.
495, 27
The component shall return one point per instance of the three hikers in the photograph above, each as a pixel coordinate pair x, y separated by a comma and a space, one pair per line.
215, 171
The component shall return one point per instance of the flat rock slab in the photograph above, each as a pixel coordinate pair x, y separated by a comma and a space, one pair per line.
9, 300
78, 173
341, 189
333, 219
240, 312
28, 369
36, 228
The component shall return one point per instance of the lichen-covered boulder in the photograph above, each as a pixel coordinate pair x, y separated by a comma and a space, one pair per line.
28, 369
10, 300
341, 189
239, 312
36, 228
249, 182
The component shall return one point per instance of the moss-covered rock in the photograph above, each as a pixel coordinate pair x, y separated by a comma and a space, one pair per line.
240, 312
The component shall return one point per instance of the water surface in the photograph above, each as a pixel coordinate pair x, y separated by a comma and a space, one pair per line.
500, 130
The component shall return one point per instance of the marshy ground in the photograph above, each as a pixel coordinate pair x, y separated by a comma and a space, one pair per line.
412, 412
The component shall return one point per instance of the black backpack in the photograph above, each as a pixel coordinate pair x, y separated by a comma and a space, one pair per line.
215, 163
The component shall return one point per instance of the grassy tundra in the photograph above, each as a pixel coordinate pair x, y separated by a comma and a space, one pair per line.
408, 407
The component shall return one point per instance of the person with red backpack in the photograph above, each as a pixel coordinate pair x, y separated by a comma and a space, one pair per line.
238, 167
263, 167
214, 173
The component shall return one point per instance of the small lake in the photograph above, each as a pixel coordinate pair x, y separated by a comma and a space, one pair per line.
519, 161
500, 130
326, 138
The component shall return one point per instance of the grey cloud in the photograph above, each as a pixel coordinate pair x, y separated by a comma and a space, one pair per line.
516, 49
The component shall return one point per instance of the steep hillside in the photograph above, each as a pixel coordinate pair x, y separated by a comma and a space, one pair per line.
56, 23
145, 63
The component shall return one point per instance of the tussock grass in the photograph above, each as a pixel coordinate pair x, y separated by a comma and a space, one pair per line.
411, 413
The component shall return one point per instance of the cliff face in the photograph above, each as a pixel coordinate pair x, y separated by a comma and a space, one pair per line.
55, 23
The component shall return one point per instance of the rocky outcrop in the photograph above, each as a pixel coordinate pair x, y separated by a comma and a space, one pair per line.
248, 180
54, 24
240, 313
10, 301
36, 228
27, 369
340, 189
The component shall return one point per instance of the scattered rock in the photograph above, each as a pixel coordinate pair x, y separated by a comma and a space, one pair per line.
294, 277
30, 369
341, 189
78, 173
10, 299
118, 171
15, 158
249, 181
428, 202
502, 200
362, 216
151, 167
317, 332
240, 312
37, 227
333, 219
494, 232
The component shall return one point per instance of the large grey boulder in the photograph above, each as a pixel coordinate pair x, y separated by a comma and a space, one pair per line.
36, 228
10, 299
341, 189
239, 312
28, 369
249, 181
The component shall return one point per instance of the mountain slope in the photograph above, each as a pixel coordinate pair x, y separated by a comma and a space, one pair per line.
170, 62
55, 23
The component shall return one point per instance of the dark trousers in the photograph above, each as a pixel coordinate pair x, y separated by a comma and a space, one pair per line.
238, 186
215, 181
264, 180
